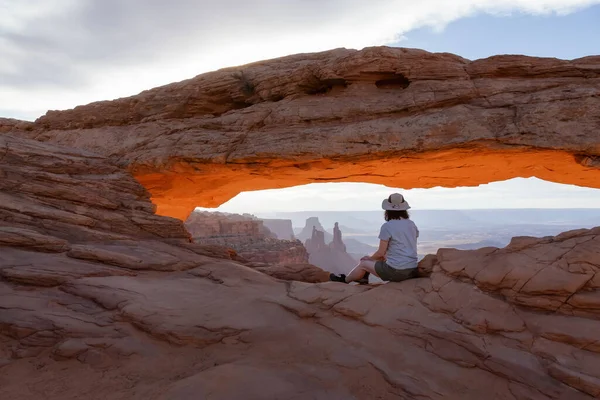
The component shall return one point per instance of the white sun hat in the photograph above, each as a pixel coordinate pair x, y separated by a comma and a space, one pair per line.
395, 202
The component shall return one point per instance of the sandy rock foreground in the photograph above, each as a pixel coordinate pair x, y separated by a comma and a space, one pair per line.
102, 299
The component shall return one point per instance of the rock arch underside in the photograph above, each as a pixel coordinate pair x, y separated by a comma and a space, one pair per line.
104, 296
406, 118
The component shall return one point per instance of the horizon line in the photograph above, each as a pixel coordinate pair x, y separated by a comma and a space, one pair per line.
416, 209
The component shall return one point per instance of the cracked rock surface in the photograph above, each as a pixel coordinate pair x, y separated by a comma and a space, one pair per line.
102, 299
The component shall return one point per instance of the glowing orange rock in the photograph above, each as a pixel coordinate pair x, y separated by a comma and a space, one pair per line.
403, 117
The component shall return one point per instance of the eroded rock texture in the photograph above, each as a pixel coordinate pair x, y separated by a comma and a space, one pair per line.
402, 117
248, 236
101, 299
245, 228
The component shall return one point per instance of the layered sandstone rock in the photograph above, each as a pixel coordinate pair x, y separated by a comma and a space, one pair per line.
216, 225
51, 195
558, 274
400, 117
10, 124
330, 257
66, 214
247, 235
292, 272
100, 298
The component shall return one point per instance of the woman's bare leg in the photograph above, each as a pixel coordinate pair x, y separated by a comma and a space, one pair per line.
359, 271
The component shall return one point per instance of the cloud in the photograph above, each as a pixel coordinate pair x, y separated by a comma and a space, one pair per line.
60, 53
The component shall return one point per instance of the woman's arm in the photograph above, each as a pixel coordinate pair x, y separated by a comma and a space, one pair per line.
380, 253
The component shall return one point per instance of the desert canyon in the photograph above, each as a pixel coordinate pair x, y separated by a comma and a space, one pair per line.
247, 235
104, 294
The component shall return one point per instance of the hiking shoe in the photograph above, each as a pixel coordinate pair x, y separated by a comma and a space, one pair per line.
365, 279
335, 278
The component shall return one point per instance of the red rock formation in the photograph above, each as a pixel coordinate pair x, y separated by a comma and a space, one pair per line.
292, 272
247, 236
217, 228
431, 119
88, 275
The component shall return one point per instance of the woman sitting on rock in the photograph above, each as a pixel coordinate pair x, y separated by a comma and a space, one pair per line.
396, 258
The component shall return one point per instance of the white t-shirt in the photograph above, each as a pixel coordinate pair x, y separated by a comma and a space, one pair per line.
402, 236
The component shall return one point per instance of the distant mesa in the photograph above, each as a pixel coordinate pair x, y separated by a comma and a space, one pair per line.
215, 225
247, 235
330, 257
307, 231
280, 227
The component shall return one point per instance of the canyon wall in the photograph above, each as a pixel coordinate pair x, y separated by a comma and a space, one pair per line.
400, 117
247, 235
216, 227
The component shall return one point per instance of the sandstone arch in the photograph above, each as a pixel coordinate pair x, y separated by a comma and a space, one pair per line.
89, 273
401, 117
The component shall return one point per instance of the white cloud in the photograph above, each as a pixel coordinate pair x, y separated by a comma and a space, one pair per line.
60, 53
514, 193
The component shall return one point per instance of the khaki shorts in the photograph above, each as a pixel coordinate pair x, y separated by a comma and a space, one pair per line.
388, 273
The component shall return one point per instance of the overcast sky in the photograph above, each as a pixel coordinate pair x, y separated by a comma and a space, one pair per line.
56, 54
